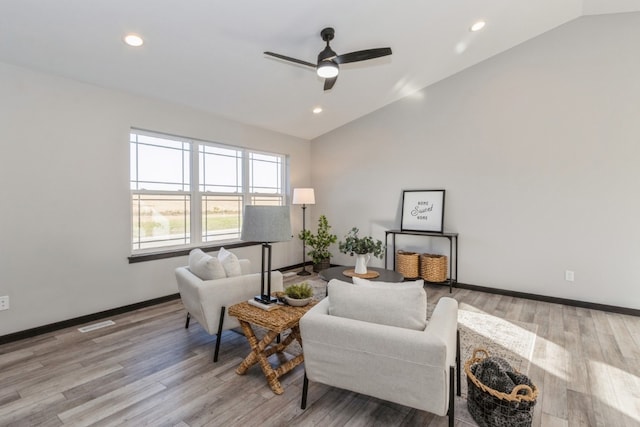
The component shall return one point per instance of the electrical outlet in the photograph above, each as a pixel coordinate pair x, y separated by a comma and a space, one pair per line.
569, 276
4, 303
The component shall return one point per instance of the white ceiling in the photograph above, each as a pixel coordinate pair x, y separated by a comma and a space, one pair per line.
208, 54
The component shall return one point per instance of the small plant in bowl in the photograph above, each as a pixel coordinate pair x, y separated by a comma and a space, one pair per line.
298, 295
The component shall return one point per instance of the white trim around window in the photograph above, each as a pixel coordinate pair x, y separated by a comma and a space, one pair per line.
190, 193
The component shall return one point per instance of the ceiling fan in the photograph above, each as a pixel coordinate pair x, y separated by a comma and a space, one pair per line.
328, 61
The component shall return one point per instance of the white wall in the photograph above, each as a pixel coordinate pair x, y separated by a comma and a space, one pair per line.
64, 220
538, 151
537, 148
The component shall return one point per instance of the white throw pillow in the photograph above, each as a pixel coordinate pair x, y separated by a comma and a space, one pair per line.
389, 285
401, 306
230, 263
205, 266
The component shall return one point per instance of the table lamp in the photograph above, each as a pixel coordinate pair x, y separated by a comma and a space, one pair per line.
304, 197
266, 224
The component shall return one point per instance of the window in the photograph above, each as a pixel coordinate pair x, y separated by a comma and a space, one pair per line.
186, 192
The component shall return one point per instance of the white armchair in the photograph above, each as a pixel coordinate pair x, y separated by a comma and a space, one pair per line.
349, 343
206, 300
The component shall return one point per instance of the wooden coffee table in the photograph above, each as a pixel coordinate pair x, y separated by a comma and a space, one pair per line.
384, 275
275, 321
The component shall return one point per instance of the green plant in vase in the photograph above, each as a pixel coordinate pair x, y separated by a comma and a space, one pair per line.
319, 244
362, 247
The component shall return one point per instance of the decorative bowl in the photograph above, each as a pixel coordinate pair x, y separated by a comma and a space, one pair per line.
297, 302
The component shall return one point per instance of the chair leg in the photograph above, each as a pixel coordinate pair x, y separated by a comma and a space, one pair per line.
305, 387
458, 356
219, 336
186, 325
452, 410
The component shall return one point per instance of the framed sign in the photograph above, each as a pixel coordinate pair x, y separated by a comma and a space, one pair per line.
422, 210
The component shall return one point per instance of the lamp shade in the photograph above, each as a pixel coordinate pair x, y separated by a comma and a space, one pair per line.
266, 224
303, 196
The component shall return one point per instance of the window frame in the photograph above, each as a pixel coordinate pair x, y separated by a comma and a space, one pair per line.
195, 192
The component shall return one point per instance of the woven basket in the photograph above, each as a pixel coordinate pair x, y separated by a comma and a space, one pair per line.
408, 264
510, 409
433, 268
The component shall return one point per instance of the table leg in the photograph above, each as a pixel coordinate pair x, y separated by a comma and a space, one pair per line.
288, 366
257, 347
295, 333
260, 352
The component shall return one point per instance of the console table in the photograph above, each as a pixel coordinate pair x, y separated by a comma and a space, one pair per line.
453, 245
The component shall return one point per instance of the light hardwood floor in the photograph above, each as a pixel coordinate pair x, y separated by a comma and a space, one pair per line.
148, 369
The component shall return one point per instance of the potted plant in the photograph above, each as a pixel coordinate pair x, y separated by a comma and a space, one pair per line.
362, 247
298, 295
319, 244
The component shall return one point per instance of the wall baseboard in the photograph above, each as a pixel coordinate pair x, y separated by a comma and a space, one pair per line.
30, 333
52, 327
554, 300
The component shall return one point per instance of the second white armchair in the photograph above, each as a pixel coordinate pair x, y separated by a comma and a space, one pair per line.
377, 342
206, 300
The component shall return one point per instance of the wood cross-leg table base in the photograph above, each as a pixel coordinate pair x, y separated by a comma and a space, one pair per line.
275, 322
261, 351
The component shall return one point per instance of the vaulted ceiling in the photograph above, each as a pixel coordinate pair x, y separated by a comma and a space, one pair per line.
208, 54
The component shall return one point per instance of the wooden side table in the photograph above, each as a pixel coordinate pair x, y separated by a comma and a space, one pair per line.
275, 321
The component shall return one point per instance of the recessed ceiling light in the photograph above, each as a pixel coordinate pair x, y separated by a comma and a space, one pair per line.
317, 110
133, 40
477, 26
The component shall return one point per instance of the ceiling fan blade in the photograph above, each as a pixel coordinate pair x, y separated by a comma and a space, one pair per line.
362, 55
328, 83
288, 58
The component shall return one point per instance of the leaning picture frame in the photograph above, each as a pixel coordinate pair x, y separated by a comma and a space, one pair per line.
422, 210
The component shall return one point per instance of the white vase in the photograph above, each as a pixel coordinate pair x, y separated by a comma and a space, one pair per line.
361, 263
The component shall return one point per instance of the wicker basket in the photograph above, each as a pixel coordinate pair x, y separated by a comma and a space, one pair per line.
490, 407
433, 268
408, 264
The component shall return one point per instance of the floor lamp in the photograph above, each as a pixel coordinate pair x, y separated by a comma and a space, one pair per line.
266, 224
304, 197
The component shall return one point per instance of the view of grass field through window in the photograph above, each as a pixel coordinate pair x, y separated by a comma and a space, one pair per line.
171, 207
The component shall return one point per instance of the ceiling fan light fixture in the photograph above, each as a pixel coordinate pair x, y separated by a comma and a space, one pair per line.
328, 64
327, 69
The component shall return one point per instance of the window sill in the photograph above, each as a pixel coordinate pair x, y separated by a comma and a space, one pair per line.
151, 256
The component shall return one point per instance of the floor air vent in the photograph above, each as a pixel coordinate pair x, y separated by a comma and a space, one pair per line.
96, 326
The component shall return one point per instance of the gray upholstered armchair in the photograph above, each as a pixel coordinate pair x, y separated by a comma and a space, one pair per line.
209, 285
375, 340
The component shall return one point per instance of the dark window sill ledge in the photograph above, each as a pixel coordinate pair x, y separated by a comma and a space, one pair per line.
151, 256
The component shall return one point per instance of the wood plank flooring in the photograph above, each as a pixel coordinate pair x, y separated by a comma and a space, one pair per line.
147, 369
